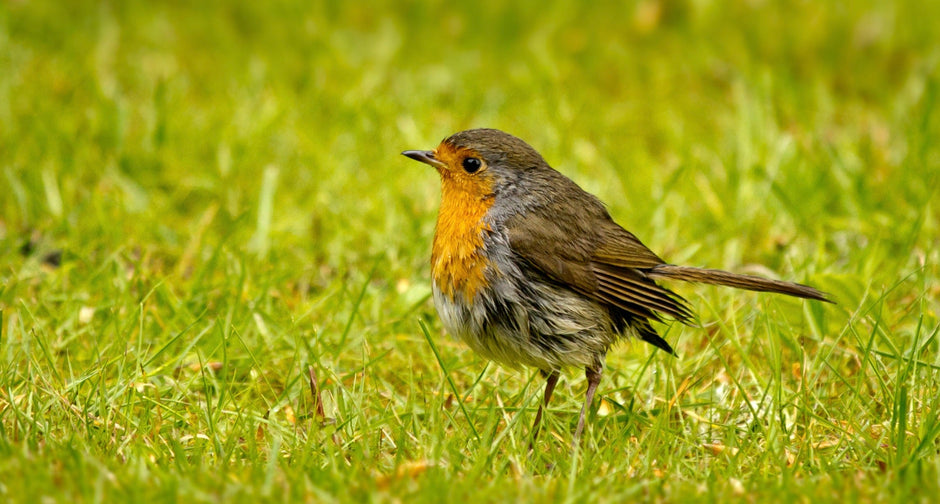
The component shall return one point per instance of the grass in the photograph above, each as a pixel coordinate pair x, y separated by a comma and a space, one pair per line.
203, 207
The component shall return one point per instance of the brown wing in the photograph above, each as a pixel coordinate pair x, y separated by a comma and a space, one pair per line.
620, 264
603, 261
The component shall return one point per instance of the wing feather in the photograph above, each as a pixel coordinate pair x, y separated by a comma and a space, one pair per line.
607, 264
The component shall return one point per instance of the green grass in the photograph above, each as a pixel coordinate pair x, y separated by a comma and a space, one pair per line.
201, 205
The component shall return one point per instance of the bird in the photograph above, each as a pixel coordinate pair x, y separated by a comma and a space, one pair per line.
529, 269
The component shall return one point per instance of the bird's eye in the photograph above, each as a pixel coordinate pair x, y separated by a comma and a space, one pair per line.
472, 164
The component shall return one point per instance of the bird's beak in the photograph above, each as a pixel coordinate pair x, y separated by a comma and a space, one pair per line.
425, 156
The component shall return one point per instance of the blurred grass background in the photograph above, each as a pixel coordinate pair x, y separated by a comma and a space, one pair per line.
201, 203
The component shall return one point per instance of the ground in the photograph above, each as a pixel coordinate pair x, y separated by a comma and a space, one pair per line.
214, 279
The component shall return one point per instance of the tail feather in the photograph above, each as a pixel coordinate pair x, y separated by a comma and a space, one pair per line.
725, 278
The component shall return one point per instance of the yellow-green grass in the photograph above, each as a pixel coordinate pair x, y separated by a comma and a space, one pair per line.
202, 205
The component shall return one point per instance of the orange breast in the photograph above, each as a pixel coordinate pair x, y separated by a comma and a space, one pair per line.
458, 263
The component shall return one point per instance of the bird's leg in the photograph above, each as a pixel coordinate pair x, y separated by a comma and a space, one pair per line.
593, 374
550, 382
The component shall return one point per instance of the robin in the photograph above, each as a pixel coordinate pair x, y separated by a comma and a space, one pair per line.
530, 270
